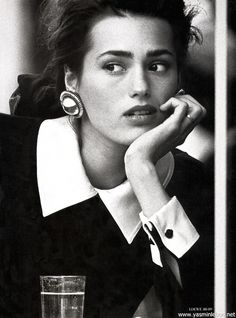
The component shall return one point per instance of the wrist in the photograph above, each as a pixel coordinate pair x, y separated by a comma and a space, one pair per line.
146, 184
139, 168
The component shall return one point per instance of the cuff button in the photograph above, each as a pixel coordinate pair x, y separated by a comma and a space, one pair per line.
169, 233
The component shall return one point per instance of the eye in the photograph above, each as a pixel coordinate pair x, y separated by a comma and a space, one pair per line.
114, 68
158, 67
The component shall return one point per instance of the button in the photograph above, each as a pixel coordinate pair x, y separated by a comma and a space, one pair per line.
169, 233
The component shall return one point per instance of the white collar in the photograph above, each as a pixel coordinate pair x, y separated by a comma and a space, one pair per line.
62, 180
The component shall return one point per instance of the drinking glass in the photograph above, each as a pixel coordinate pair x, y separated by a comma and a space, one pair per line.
62, 296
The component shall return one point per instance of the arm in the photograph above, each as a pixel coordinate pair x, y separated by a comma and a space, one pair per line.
156, 204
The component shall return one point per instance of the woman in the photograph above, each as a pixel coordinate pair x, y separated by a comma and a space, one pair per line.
81, 181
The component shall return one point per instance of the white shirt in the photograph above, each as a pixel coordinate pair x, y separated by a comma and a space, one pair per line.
62, 182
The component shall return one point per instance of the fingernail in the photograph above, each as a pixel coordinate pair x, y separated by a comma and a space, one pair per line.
180, 92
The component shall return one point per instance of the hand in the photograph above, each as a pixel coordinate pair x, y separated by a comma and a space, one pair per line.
144, 152
186, 113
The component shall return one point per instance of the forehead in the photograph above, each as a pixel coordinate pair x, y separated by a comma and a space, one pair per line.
131, 33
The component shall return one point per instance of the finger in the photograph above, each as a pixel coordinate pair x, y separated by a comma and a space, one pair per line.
183, 120
173, 103
196, 110
195, 114
192, 119
172, 126
177, 126
194, 103
178, 115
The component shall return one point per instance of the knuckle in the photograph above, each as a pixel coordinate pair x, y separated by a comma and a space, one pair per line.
198, 112
185, 106
173, 100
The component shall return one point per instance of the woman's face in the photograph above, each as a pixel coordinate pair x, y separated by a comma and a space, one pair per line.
128, 72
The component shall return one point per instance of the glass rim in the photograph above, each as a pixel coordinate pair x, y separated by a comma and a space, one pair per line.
62, 276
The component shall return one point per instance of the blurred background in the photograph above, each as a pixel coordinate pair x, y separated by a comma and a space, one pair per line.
18, 44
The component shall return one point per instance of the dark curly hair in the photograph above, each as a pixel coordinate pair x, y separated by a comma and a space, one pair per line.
67, 23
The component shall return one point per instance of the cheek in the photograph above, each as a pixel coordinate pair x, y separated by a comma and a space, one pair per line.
90, 94
167, 89
99, 95
97, 102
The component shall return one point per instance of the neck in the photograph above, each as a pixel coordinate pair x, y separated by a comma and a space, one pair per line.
103, 159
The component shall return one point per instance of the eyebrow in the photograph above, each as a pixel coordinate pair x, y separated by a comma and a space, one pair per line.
151, 53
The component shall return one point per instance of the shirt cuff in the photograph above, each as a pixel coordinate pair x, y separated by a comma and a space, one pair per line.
173, 226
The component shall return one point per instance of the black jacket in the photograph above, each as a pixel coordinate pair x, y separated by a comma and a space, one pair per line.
84, 239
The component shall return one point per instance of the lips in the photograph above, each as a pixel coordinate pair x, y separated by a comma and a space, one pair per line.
139, 110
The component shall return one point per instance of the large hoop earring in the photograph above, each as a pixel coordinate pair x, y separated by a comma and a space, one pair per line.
72, 104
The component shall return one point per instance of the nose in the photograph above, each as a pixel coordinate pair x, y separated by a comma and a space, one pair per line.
139, 84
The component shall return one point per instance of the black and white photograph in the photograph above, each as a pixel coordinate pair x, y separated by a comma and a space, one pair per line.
117, 158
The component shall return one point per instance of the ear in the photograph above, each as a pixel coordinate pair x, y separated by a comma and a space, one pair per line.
71, 80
